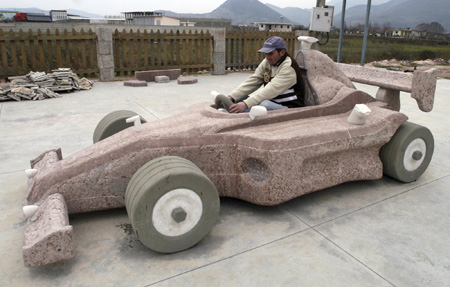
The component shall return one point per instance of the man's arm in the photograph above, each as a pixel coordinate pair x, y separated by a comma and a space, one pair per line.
250, 85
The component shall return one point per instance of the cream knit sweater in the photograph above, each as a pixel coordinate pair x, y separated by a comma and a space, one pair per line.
283, 78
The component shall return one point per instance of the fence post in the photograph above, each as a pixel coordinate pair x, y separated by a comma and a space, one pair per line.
219, 48
105, 54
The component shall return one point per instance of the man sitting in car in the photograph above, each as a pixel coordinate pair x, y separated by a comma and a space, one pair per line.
280, 76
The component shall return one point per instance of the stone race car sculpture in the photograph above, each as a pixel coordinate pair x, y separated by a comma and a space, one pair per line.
170, 173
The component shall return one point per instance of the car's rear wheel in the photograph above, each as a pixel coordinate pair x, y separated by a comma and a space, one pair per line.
113, 123
171, 204
407, 155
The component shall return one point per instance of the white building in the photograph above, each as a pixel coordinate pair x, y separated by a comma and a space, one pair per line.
273, 27
150, 19
58, 15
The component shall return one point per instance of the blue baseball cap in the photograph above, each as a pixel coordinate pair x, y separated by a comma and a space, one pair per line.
273, 43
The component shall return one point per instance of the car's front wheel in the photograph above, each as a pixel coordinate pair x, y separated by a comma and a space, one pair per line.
113, 123
407, 155
171, 203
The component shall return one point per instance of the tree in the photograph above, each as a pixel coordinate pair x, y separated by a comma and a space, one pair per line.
432, 27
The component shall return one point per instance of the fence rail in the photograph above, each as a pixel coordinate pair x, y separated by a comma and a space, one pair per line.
138, 51
190, 51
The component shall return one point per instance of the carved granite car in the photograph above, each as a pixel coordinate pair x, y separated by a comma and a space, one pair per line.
170, 173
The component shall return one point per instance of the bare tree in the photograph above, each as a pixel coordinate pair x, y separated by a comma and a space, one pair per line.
432, 27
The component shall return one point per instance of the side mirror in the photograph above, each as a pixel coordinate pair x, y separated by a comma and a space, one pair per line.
306, 42
137, 122
257, 112
359, 114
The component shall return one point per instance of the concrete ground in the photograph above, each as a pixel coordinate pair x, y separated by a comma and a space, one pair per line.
368, 233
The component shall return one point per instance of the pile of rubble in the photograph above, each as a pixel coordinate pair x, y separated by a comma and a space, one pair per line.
39, 86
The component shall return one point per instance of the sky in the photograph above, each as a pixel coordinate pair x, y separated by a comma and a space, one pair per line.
114, 7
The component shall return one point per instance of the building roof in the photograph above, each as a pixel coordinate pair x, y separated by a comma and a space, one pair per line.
40, 18
273, 23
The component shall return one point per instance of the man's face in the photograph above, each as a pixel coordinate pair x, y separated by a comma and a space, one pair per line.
274, 56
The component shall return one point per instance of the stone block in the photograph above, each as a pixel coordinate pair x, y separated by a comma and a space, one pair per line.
149, 76
162, 79
187, 80
135, 83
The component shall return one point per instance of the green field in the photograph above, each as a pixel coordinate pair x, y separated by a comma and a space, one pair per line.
386, 48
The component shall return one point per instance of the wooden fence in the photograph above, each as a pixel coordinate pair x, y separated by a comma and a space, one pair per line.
242, 47
23, 52
190, 52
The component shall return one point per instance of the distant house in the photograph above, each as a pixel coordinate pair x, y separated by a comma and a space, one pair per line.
58, 15
187, 23
150, 19
273, 27
108, 20
406, 33
206, 22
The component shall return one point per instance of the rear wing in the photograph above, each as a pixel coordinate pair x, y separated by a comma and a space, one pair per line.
420, 84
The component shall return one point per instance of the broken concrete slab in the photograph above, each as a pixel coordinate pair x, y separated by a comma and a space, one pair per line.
149, 76
162, 79
187, 80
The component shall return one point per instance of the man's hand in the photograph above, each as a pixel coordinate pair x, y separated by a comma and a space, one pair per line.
238, 108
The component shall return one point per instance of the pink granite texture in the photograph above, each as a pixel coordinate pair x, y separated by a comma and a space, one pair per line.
268, 161
421, 84
49, 237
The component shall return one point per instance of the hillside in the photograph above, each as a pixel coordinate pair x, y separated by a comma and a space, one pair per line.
400, 13
297, 16
245, 12
350, 3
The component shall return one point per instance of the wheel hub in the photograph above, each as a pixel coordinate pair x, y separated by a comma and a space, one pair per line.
177, 212
417, 155
414, 154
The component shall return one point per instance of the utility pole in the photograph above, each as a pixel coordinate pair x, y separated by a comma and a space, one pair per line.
341, 33
366, 32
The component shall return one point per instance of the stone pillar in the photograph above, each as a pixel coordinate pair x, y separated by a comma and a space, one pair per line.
105, 54
219, 47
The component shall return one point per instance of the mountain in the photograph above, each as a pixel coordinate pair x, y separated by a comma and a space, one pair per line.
244, 12
400, 13
241, 12
297, 16
350, 3
47, 12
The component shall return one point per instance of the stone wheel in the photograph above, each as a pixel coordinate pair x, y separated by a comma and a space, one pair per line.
171, 204
407, 155
113, 123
